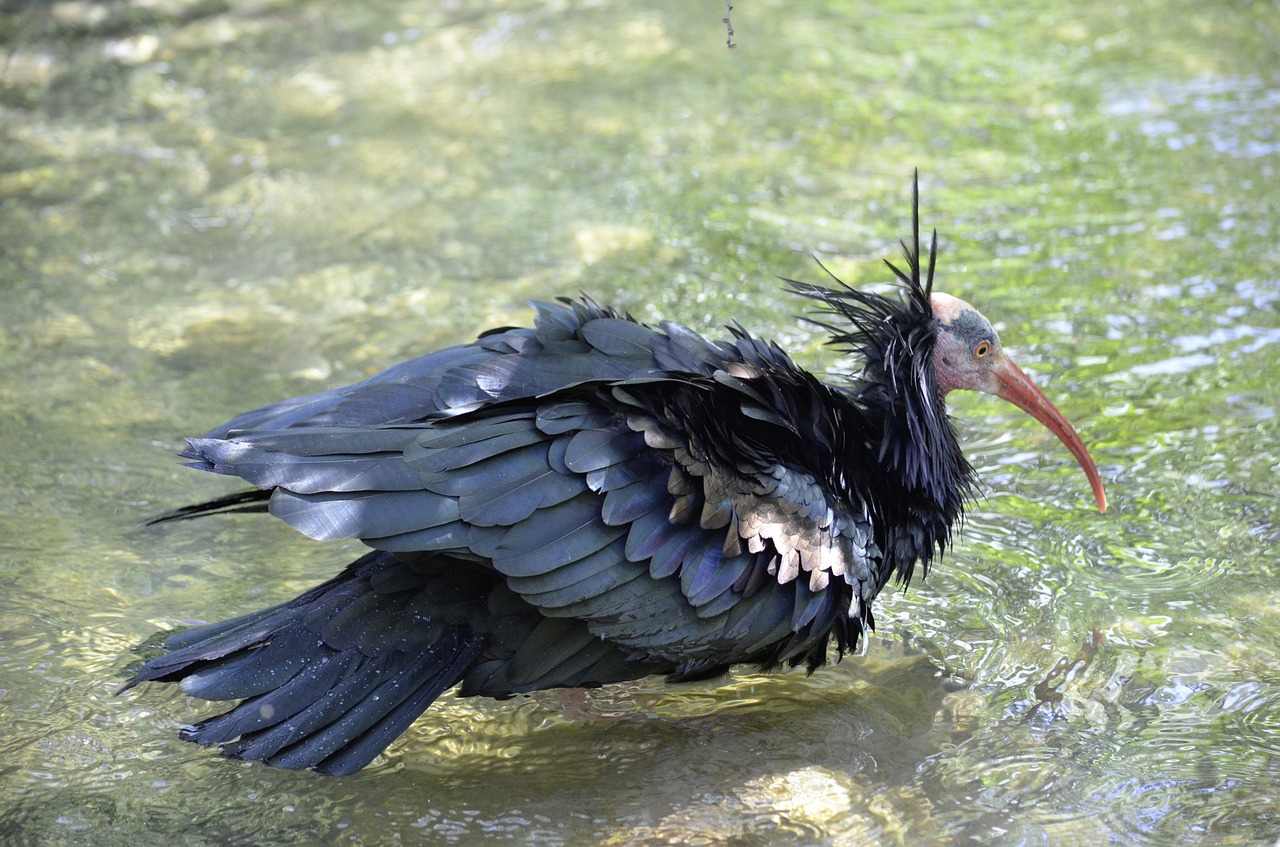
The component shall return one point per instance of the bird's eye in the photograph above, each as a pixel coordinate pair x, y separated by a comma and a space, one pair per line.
981, 351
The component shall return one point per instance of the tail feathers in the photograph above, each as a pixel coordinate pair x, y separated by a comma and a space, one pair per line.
242, 501
369, 705
314, 693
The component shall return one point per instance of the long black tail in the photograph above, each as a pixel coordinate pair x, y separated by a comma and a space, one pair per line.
330, 678
254, 500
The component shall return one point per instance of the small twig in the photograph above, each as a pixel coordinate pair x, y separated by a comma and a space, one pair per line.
728, 24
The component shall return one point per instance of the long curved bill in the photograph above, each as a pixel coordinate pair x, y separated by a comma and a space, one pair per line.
1016, 387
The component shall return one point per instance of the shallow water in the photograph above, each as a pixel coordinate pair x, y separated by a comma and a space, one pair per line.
211, 204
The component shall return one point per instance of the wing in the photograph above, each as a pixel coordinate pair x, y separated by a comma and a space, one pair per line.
611, 501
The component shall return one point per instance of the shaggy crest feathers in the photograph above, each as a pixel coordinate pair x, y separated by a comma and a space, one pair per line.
884, 329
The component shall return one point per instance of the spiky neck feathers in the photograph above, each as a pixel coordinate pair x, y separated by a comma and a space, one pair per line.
898, 392
895, 339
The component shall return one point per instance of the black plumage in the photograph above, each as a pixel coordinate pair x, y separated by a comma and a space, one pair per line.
582, 502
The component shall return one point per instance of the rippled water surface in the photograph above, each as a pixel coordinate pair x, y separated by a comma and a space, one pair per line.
211, 204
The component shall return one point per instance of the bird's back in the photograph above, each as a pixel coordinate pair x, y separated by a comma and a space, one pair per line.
571, 343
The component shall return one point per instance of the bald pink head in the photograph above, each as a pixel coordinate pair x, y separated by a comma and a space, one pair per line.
968, 356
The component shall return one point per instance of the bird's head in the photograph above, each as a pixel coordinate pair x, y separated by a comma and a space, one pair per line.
967, 354
927, 344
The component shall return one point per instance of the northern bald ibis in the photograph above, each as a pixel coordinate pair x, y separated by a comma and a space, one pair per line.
587, 501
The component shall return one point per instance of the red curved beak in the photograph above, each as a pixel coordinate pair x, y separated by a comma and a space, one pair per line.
1016, 387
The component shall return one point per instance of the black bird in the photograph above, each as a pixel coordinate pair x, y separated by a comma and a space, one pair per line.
589, 501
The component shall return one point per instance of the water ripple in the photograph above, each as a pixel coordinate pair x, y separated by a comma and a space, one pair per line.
1250, 712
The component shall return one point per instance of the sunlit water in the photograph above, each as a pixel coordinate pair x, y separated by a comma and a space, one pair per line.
211, 204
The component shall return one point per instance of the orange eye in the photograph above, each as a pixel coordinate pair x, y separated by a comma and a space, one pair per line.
982, 350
